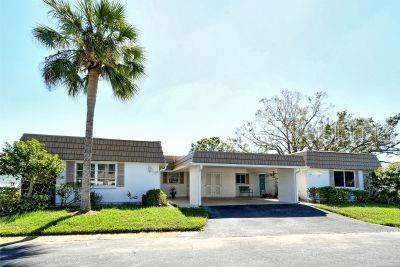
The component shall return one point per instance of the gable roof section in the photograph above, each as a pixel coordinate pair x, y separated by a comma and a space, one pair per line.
234, 158
341, 161
71, 148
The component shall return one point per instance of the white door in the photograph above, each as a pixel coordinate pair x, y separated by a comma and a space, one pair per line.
213, 185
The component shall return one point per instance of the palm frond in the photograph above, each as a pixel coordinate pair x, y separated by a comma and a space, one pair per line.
119, 77
50, 37
63, 69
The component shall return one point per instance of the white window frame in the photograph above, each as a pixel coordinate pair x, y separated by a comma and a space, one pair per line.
344, 178
96, 164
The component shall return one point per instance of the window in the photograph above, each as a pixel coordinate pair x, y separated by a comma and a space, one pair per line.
343, 178
181, 177
79, 173
165, 178
242, 178
105, 174
173, 178
102, 174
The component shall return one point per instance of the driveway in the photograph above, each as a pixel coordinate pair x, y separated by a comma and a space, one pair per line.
281, 219
256, 235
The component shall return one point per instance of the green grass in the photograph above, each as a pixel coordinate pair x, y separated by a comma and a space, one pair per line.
130, 219
384, 214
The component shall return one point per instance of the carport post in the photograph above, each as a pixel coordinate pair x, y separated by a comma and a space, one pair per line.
195, 185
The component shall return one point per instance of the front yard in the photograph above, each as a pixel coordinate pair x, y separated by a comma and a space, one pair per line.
106, 220
371, 212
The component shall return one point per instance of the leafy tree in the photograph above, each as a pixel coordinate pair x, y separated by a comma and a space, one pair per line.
30, 162
284, 123
91, 41
212, 144
386, 181
363, 135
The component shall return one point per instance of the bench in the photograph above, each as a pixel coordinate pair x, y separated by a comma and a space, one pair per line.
245, 190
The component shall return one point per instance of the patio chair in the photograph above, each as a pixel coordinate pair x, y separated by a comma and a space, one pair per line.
245, 190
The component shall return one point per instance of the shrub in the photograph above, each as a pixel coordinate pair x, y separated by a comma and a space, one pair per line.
312, 193
35, 202
9, 199
65, 192
362, 196
332, 195
95, 199
155, 197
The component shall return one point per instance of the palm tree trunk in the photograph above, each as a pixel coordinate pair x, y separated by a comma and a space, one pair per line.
93, 81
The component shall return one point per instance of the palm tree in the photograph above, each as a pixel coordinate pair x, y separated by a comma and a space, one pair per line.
91, 41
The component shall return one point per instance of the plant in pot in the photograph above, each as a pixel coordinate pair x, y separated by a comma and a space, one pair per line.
172, 192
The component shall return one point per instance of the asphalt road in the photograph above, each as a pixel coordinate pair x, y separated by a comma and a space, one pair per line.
233, 236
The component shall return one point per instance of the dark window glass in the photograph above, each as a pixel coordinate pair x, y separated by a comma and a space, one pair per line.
349, 179
240, 178
339, 179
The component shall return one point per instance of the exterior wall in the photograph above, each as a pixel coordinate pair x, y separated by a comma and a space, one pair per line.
182, 190
139, 178
195, 185
318, 178
287, 186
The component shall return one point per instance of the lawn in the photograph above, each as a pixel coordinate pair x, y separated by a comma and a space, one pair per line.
371, 212
130, 219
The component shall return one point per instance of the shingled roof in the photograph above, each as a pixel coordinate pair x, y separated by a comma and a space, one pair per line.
313, 159
217, 157
336, 160
71, 148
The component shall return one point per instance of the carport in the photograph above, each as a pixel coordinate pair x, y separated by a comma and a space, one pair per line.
221, 178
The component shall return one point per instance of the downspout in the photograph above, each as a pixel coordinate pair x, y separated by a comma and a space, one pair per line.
295, 184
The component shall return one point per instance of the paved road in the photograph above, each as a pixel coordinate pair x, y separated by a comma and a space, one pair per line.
231, 237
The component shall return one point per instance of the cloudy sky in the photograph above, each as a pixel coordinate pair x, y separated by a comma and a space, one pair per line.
208, 65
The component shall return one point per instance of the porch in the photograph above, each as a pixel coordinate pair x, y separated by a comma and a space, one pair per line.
184, 202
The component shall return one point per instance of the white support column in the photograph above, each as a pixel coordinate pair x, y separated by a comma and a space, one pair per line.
287, 186
195, 185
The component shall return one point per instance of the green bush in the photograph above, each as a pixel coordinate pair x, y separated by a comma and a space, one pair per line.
362, 196
332, 195
35, 202
155, 197
9, 200
95, 199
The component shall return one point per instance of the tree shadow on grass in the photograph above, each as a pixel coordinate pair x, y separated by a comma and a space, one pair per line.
39, 231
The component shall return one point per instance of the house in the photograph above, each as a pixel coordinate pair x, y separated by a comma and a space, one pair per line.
118, 166
122, 166
203, 174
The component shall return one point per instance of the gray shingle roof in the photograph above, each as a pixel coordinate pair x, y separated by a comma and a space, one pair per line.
240, 158
312, 159
71, 148
337, 160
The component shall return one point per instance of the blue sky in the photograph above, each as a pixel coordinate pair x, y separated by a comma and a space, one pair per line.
208, 64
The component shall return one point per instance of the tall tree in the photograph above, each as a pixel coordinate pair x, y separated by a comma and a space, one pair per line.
356, 134
91, 41
212, 144
284, 123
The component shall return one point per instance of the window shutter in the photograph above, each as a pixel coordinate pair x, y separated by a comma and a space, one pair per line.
165, 178
247, 178
121, 175
356, 180
70, 172
181, 177
331, 178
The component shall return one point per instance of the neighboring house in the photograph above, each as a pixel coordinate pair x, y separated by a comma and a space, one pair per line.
118, 166
228, 174
122, 166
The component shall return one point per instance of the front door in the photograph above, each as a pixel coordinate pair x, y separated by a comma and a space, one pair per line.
213, 185
261, 178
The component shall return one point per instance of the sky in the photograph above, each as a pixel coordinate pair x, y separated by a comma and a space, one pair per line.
208, 65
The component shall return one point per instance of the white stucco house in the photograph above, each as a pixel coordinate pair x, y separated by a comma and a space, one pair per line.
122, 166
118, 166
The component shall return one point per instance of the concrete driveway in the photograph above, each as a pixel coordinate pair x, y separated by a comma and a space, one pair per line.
281, 219
256, 235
